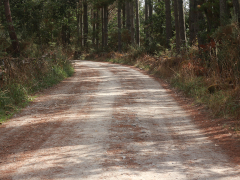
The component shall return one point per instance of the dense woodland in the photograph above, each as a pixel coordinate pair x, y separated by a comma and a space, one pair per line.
195, 43
112, 25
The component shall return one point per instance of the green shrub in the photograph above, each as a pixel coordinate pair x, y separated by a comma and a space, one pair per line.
16, 95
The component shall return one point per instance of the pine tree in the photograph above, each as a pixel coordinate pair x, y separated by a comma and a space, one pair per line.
168, 22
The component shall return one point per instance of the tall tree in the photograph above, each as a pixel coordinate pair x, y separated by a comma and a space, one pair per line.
11, 30
150, 6
123, 15
103, 31
192, 21
119, 27
132, 22
146, 22
85, 21
105, 25
236, 9
200, 27
177, 31
168, 22
97, 29
81, 22
127, 9
137, 24
93, 26
78, 23
181, 17
223, 11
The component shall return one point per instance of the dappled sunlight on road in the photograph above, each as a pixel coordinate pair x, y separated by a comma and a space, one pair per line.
108, 122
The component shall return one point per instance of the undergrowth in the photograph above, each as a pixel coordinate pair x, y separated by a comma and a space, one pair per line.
20, 82
212, 82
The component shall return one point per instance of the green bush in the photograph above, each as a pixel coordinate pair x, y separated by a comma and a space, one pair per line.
17, 95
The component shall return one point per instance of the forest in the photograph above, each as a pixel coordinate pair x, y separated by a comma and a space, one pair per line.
192, 44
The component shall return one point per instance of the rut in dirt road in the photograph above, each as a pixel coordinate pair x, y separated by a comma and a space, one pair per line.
108, 122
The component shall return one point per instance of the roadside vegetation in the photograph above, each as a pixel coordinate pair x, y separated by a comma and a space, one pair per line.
187, 73
30, 59
210, 77
194, 45
20, 82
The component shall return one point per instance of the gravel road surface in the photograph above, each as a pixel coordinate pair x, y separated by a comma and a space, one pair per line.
108, 122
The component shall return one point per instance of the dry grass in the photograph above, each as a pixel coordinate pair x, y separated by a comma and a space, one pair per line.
192, 75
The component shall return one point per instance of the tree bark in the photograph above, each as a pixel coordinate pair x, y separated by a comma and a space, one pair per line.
150, 3
119, 27
132, 23
191, 22
124, 15
128, 23
182, 29
168, 22
81, 23
97, 29
146, 22
137, 24
105, 25
78, 23
236, 10
200, 27
103, 28
85, 21
11, 30
94, 27
150, 19
177, 25
223, 12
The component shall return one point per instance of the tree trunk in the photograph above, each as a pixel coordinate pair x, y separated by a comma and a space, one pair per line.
223, 12
132, 23
103, 28
94, 27
137, 24
150, 19
105, 25
85, 21
177, 25
128, 23
81, 23
2, 14
11, 30
168, 22
97, 29
119, 27
78, 24
236, 10
209, 16
123, 15
182, 29
191, 22
146, 23
150, 3
200, 27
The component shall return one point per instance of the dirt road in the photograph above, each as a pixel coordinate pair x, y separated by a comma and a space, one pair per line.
108, 122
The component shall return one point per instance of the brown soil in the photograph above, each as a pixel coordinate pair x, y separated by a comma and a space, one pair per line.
113, 122
220, 130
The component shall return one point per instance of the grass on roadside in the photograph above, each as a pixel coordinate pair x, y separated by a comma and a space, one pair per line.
224, 102
18, 94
